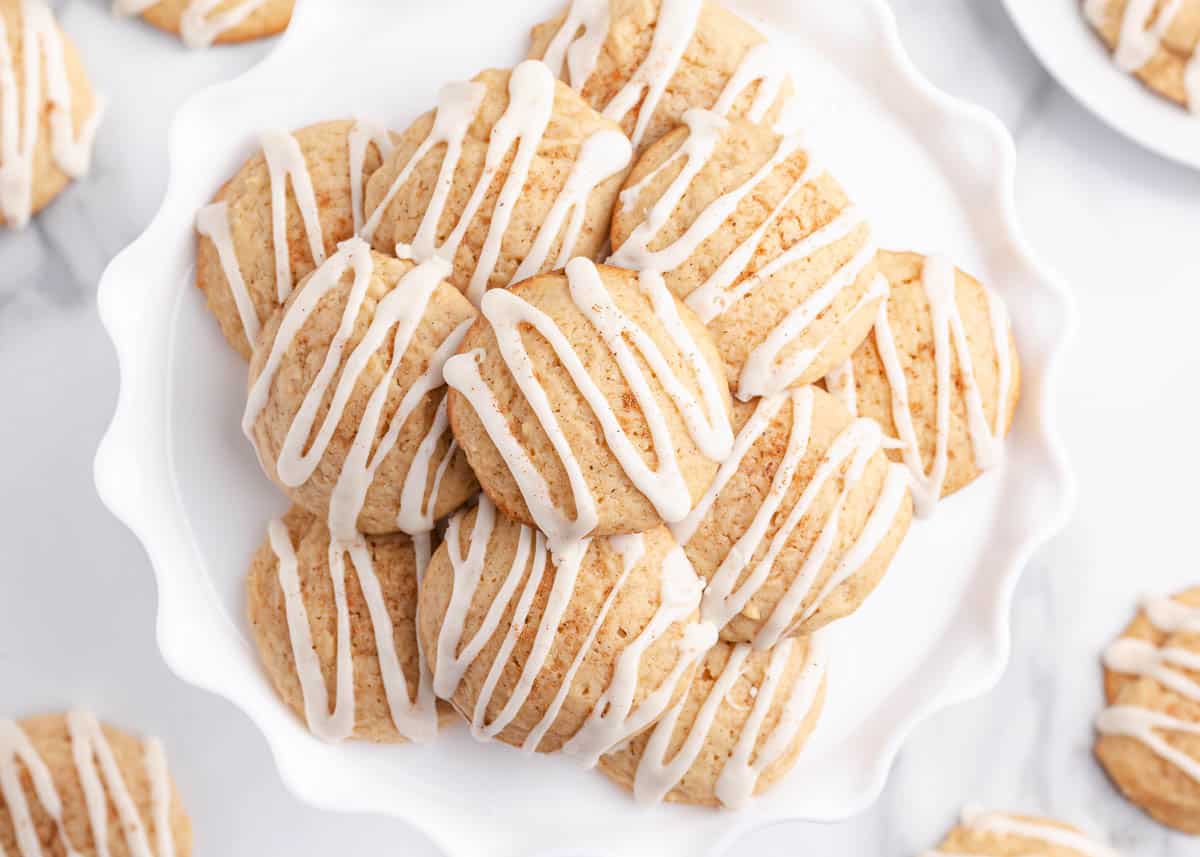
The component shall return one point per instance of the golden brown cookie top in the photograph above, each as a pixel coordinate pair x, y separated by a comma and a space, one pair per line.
996, 834
201, 23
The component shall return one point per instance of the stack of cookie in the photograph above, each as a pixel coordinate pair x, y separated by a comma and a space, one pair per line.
687, 460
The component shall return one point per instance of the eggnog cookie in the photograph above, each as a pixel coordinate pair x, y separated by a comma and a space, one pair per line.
1149, 736
512, 175
50, 141
279, 217
644, 63
801, 521
590, 401
995, 834
201, 23
335, 625
939, 372
1156, 40
72, 785
760, 241
575, 652
347, 404
1140, 647
737, 731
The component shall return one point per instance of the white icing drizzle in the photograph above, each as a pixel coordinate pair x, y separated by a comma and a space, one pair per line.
102, 786
1138, 43
736, 783
1140, 723
851, 450
578, 41
70, 147
761, 65
200, 25
285, 160
705, 416
1007, 825
614, 718
950, 344
1170, 615
212, 222
531, 90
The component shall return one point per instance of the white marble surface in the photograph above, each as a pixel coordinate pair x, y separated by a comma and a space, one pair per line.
76, 593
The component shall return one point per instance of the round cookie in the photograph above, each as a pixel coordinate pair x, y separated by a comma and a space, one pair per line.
47, 806
347, 404
645, 63
251, 250
800, 523
760, 241
738, 730
932, 374
321, 644
201, 23
1149, 736
995, 834
590, 401
512, 175
1157, 41
37, 166
1143, 638
575, 651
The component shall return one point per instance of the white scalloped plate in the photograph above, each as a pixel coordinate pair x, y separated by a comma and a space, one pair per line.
1057, 32
935, 174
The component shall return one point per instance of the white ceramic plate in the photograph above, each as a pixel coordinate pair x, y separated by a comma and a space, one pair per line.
934, 173
1071, 51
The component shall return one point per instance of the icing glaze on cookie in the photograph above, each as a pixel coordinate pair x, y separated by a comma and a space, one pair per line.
949, 344
43, 65
103, 786
531, 90
200, 24
1138, 43
705, 417
1001, 824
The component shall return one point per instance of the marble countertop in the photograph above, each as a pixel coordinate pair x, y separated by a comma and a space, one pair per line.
77, 596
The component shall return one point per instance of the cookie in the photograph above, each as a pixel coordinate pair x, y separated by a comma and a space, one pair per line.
573, 652
1139, 648
644, 63
335, 625
940, 373
738, 730
201, 23
51, 142
995, 834
280, 216
1149, 736
72, 785
760, 241
590, 402
512, 175
347, 404
1156, 40
801, 521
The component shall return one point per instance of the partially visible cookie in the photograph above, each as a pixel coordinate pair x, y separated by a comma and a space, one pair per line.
739, 729
645, 63
81, 787
335, 625
760, 241
1155, 40
280, 216
939, 372
1140, 645
201, 23
995, 834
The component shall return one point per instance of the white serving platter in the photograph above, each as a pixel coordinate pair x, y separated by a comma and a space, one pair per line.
934, 173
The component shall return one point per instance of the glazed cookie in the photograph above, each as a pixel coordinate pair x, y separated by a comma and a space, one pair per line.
347, 405
760, 241
801, 521
590, 401
71, 785
1149, 736
995, 834
644, 63
50, 142
1156, 40
279, 217
934, 374
201, 23
340, 647
512, 175
1140, 646
576, 651
738, 730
